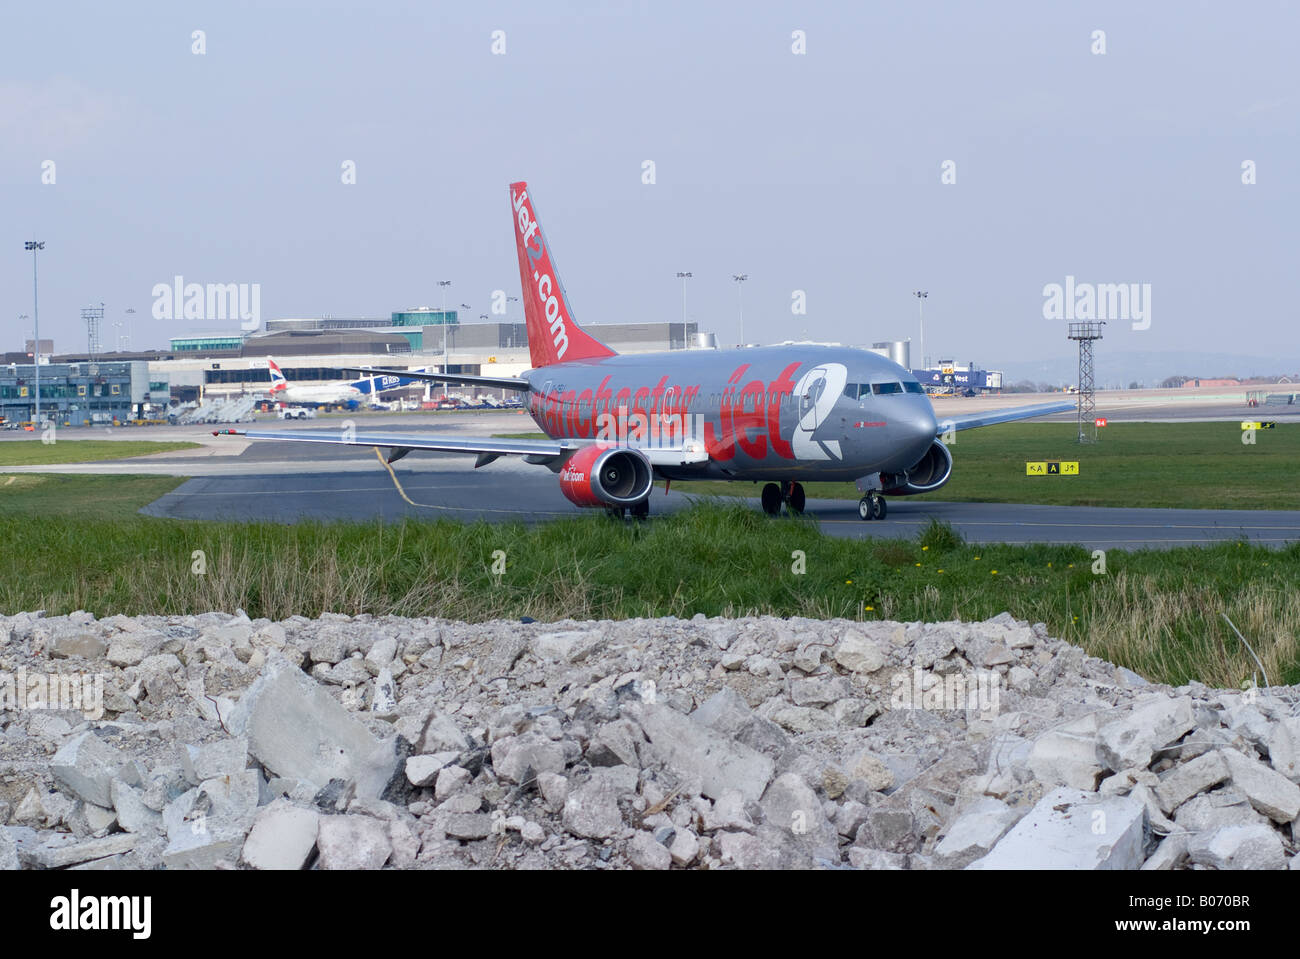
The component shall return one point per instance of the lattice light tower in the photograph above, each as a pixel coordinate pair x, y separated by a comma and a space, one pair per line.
1085, 333
92, 316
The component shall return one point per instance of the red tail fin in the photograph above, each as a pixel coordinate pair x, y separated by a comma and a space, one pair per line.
553, 336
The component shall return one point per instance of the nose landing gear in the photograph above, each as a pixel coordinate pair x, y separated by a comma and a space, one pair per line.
872, 506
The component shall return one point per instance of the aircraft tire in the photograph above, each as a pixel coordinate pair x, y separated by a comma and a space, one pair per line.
771, 499
795, 500
878, 507
866, 509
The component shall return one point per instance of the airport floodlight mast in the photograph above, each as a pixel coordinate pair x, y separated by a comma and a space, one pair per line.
1085, 333
740, 279
33, 246
684, 277
444, 284
92, 316
920, 307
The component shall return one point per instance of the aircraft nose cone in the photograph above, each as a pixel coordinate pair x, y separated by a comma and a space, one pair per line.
922, 423
919, 428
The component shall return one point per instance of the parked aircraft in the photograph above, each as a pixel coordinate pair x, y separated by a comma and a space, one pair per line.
344, 392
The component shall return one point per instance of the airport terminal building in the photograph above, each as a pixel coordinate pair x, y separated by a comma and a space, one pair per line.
81, 394
319, 350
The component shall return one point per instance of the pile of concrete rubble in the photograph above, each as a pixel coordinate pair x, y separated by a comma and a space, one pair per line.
363, 743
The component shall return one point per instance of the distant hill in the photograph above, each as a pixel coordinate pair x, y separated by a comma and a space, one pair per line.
1118, 370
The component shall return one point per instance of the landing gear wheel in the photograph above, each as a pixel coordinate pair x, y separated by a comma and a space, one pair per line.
878, 507
771, 499
866, 509
614, 512
794, 497
640, 510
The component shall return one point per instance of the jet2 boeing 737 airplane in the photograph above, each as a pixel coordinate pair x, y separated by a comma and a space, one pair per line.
781, 415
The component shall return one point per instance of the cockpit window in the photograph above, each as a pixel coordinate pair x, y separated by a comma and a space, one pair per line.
856, 391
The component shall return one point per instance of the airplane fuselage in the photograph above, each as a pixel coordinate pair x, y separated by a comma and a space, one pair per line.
768, 413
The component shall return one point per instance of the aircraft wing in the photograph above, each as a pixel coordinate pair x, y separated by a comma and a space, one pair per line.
1002, 416
535, 451
496, 382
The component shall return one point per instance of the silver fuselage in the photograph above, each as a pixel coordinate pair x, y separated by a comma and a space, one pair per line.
792, 412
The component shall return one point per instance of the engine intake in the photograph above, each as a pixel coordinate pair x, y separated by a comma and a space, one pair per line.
599, 476
927, 475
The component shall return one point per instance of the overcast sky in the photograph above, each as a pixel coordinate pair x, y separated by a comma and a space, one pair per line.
818, 171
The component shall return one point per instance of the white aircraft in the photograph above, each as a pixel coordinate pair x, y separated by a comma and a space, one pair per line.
343, 392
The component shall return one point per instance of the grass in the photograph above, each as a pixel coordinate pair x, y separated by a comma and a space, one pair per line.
36, 498
1155, 611
36, 453
1189, 465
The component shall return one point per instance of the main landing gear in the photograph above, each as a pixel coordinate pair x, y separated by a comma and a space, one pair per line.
791, 494
872, 506
639, 510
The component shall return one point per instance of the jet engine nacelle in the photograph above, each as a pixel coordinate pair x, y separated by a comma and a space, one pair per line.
605, 476
927, 475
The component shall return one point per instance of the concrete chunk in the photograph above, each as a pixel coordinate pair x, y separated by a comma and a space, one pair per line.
1130, 740
520, 759
297, 731
8, 852
225, 757
1067, 755
645, 853
132, 814
85, 767
59, 857
858, 654
695, 752
975, 831
1284, 747
353, 842
684, 847
72, 641
1186, 780
1073, 829
1168, 855
790, 805
591, 809
1238, 847
1268, 790
469, 825
283, 837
